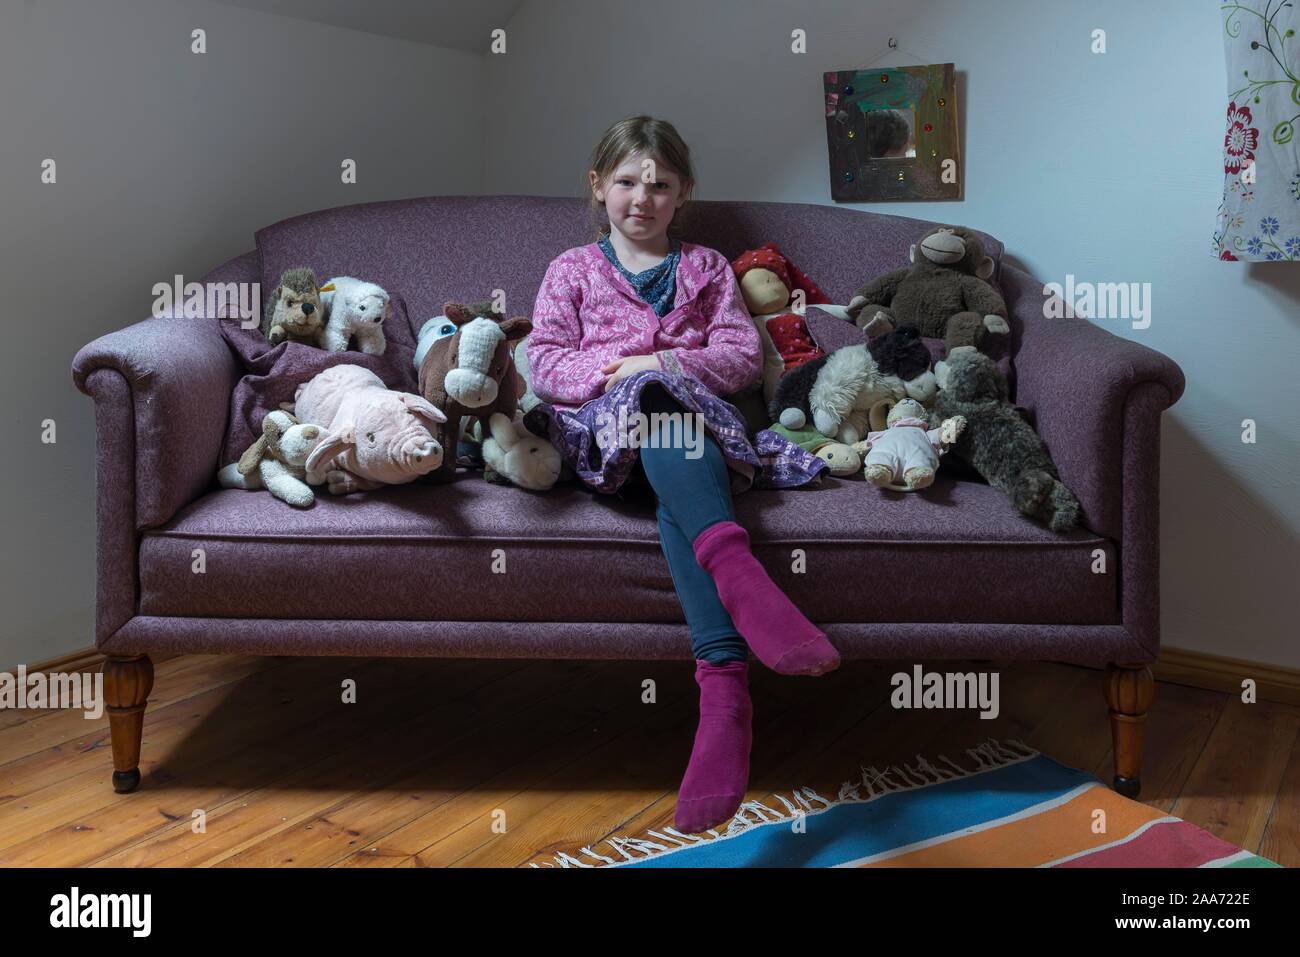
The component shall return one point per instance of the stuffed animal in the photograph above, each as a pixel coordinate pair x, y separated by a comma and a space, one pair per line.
439, 327
354, 308
514, 456
841, 459
905, 454
999, 443
471, 372
944, 293
469, 451
901, 353
293, 309
374, 436
277, 461
536, 420
767, 282
840, 395
528, 400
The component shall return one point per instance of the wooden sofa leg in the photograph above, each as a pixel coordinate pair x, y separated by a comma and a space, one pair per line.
128, 679
1129, 690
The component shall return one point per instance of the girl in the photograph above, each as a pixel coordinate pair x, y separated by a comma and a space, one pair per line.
641, 321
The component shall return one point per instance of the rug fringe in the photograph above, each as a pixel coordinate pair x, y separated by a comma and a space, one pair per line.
988, 755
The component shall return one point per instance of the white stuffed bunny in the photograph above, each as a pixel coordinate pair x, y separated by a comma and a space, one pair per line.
277, 460
513, 452
354, 308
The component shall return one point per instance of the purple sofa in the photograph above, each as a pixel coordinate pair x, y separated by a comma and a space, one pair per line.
953, 572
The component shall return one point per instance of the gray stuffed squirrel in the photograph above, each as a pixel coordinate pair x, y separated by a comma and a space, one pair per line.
998, 442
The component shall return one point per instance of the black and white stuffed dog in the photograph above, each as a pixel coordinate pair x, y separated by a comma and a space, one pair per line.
850, 391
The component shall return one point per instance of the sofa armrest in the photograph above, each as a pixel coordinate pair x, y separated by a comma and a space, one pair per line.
180, 373
1077, 380
1139, 550
1096, 399
162, 392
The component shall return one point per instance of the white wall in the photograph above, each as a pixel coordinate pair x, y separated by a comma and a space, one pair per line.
167, 162
1104, 166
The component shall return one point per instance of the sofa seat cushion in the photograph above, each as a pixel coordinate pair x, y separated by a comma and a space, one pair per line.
473, 550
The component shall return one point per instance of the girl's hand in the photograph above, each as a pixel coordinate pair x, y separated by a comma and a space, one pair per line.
629, 365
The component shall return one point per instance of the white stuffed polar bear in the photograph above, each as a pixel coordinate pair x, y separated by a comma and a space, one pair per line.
354, 307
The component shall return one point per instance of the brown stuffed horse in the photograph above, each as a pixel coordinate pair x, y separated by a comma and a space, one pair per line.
471, 373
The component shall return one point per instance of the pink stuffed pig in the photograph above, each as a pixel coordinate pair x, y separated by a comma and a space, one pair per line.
374, 436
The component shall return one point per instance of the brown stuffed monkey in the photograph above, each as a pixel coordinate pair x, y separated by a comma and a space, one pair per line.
944, 293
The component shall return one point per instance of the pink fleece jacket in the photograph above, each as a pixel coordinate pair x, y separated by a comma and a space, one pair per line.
587, 315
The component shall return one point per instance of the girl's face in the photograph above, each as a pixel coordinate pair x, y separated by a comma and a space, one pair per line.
638, 209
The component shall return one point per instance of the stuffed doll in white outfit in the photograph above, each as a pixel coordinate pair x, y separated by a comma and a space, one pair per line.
905, 455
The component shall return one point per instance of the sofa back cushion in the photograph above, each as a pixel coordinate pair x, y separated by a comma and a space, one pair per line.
436, 248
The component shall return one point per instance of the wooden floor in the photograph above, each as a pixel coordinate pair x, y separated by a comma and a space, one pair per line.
562, 753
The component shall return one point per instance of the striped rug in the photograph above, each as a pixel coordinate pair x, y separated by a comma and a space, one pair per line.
1015, 808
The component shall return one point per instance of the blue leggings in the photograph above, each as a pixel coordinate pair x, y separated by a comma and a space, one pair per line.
692, 494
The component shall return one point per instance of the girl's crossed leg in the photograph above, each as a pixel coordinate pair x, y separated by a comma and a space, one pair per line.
720, 582
694, 497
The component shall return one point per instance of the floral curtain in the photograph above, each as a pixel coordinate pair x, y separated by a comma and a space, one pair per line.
1259, 218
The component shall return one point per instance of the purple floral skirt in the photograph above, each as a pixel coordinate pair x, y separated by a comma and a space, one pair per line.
593, 440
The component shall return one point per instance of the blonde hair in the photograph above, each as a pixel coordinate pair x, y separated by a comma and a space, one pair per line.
639, 134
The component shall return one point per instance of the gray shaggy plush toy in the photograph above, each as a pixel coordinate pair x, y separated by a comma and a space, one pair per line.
998, 442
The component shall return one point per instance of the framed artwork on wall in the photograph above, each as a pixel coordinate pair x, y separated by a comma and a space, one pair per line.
891, 133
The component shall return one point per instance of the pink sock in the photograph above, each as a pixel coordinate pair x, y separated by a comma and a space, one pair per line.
782, 638
718, 773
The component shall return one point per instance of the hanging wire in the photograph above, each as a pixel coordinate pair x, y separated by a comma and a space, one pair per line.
893, 45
